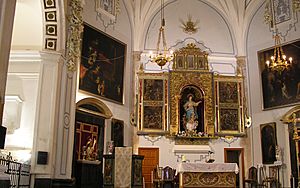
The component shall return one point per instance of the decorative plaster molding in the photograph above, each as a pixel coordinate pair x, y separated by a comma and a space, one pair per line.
75, 29
50, 24
229, 140
152, 139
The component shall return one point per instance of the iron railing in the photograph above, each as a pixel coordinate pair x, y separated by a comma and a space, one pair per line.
19, 173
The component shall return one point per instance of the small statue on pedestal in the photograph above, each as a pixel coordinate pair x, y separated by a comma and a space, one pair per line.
278, 153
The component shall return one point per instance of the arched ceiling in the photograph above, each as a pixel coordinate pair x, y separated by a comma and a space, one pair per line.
237, 14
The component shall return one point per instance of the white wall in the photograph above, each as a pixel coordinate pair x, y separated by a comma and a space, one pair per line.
121, 31
260, 38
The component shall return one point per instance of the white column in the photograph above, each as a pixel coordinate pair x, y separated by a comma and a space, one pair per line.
7, 12
46, 114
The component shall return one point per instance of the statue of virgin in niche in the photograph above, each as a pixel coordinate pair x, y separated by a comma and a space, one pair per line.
191, 110
191, 115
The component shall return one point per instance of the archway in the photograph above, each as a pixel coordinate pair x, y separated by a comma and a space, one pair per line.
89, 142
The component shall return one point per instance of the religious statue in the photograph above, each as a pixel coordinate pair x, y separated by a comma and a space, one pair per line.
191, 115
89, 151
278, 153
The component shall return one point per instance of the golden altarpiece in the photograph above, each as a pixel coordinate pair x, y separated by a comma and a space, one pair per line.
192, 105
190, 101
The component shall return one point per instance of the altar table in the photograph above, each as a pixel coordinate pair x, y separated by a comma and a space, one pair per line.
207, 175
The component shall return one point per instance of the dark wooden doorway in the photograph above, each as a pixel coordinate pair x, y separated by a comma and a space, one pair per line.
236, 155
151, 160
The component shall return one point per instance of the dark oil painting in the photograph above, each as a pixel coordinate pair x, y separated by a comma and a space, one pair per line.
268, 142
228, 92
117, 132
281, 88
229, 119
153, 117
153, 90
102, 65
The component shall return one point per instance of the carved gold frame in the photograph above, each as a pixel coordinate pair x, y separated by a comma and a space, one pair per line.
234, 105
203, 80
183, 56
143, 102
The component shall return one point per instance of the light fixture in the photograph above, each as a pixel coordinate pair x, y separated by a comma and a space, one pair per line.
163, 56
279, 61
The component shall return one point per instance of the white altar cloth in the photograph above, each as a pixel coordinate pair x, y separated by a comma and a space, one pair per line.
208, 167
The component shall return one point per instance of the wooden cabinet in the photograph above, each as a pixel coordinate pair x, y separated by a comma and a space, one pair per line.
136, 173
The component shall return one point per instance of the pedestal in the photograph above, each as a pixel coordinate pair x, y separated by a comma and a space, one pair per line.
88, 174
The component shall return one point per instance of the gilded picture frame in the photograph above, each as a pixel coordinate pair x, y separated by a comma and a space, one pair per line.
101, 70
152, 103
229, 106
280, 89
268, 142
190, 58
108, 8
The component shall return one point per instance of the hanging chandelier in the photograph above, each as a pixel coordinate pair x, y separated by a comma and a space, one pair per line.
279, 61
162, 56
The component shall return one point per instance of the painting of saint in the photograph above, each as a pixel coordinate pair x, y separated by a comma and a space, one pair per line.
190, 61
280, 88
180, 61
117, 132
229, 120
102, 65
228, 92
153, 117
268, 142
153, 89
191, 109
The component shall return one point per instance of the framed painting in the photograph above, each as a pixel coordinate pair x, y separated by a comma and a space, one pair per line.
152, 103
180, 61
108, 7
280, 89
102, 65
229, 106
268, 142
190, 61
117, 132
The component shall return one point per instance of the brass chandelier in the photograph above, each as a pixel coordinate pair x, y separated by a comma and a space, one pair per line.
163, 56
279, 61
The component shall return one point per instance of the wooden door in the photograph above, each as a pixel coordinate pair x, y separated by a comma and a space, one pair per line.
236, 155
151, 160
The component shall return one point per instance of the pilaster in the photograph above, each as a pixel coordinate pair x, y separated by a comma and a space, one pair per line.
46, 114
